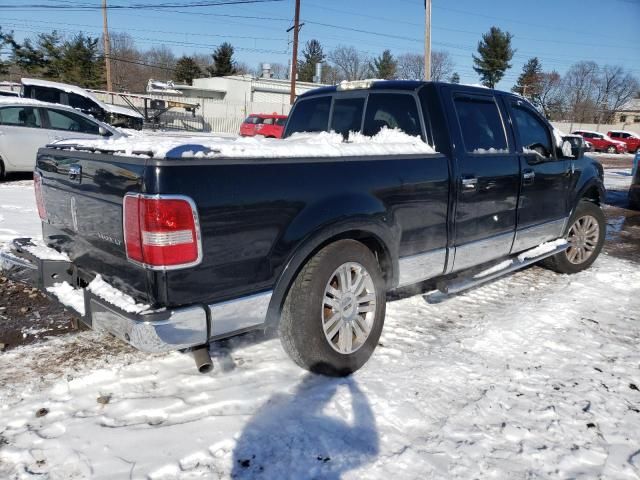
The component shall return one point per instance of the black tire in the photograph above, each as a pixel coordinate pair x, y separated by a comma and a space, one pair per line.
560, 262
2, 172
301, 324
611, 150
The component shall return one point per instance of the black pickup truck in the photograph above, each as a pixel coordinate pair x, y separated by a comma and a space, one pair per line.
218, 244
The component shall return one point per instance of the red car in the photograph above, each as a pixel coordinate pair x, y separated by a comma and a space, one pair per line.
264, 124
602, 142
630, 138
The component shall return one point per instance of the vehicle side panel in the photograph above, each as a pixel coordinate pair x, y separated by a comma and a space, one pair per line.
255, 215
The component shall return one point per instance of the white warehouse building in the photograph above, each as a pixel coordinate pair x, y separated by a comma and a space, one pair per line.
244, 88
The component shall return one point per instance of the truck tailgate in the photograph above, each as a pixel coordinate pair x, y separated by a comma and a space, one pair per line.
83, 194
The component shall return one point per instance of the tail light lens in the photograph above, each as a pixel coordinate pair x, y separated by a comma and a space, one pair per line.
161, 232
37, 186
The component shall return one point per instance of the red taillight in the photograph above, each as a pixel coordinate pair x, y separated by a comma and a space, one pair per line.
37, 186
162, 231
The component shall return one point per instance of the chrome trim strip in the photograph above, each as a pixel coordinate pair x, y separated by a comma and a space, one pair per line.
185, 327
239, 314
422, 266
533, 236
480, 251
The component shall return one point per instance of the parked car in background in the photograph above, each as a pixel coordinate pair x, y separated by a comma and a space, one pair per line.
80, 99
634, 191
602, 142
264, 124
631, 139
9, 93
26, 125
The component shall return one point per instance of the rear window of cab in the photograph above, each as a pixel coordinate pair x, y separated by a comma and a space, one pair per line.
366, 113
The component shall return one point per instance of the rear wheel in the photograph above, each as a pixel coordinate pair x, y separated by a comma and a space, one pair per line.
334, 312
585, 236
2, 170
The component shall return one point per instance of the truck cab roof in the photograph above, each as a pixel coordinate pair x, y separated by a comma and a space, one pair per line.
378, 84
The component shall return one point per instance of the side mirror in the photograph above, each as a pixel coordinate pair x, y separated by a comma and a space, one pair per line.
103, 131
572, 147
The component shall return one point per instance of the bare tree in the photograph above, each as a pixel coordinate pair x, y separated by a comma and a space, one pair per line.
331, 75
550, 95
442, 66
279, 71
579, 91
126, 66
163, 62
615, 88
411, 66
350, 63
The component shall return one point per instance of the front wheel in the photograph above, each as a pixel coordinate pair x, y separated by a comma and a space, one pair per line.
611, 149
586, 238
334, 312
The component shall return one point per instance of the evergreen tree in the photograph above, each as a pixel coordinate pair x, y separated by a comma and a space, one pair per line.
385, 66
6, 39
186, 70
529, 83
80, 62
223, 62
495, 53
313, 55
455, 78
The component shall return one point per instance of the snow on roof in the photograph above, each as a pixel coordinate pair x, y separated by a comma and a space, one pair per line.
299, 145
82, 92
60, 86
121, 110
632, 105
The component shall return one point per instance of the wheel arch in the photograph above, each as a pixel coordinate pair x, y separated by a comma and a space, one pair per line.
373, 236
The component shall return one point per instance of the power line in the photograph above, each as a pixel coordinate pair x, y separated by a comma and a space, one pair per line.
139, 6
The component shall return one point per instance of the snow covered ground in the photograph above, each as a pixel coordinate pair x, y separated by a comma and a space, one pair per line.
534, 375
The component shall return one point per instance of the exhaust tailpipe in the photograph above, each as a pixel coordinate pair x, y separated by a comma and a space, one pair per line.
203, 359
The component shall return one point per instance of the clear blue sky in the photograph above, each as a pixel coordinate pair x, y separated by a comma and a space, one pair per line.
559, 32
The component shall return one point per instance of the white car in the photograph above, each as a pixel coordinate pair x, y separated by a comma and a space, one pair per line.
26, 125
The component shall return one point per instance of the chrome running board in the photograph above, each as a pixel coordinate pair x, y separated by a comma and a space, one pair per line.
458, 284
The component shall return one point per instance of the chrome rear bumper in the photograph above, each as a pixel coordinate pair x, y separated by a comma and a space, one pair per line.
153, 331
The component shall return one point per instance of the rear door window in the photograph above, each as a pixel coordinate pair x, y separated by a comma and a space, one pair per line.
392, 110
20, 117
310, 115
347, 115
71, 122
45, 94
481, 125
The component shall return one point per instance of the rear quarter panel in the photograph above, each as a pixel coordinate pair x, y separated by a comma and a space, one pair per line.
256, 214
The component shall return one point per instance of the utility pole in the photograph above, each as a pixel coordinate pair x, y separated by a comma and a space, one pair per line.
427, 40
294, 60
107, 45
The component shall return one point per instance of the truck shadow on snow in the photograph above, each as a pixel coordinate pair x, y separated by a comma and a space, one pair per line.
291, 436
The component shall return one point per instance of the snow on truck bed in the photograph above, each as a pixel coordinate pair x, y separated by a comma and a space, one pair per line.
299, 145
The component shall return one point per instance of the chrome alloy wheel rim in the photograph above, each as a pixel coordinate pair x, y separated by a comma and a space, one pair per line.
583, 239
348, 308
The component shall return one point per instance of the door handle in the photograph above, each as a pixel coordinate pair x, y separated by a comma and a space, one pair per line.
528, 176
469, 183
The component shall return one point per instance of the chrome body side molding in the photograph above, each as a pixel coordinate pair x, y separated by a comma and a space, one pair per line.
239, 314
481, 251
422, 266
535, 235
